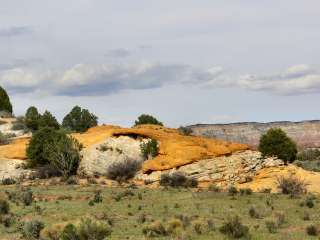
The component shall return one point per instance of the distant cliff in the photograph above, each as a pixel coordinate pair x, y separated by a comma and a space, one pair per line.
305, 133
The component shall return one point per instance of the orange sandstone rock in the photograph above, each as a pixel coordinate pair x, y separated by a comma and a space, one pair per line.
175, 149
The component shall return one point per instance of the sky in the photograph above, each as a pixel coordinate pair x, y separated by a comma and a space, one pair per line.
183, 61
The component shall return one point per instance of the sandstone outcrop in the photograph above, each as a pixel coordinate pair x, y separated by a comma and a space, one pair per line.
11, 168
97, 158
237, 168
305, 133
175, 149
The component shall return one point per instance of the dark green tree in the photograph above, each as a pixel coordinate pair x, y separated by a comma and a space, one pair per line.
276, 143
5, 104
41, 141
147, 119
32, 118
79, 120
48, 120
56, 148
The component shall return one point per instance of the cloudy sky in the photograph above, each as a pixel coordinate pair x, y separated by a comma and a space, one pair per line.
184, 61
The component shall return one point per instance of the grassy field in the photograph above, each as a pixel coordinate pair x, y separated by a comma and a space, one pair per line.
129, 211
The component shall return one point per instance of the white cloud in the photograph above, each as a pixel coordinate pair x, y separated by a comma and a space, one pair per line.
299, 79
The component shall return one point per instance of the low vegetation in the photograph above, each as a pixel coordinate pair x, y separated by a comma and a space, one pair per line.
62, 212
177, 179
149, 149
122, 171
292, 186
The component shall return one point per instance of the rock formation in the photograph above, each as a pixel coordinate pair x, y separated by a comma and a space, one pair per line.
306, 133
239, 167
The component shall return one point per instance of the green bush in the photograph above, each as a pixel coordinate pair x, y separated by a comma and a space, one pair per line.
4, 139
48, 120
50, 146
79, 120
5, 104
4, 207
8, 181
70, 233
276, 143
309, 155
232, 190
271, 226
32, 118
155, 229
177, 179
89, 229
147, 119
122, 171
312, 230
31, 229
292, 186
185, 131
149, 149
64, 155
37, 150
234, 228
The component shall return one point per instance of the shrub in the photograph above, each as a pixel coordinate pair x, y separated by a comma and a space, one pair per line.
19, 124
97, 197
31, 229
64, 155
26, 197
291, 185
232, 190
245, 191
37, 151
147, 119
72, 180
185, 131
79, 120
89, 229
49, 146
309, 202
48, 120
123, 170
312, 230
155, 229
198, 227
8, 181
309, 155
4, 207
174, 225
214, 188
271, 226
5, 104
234, 228
7, 220
149, 149
32, 118
253, 212
276, 143
280, 218
47, 171
4, 139
177, 179
70, 233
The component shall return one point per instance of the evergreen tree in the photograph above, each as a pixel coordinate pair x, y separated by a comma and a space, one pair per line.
147, 119
32, 118
48, 120
79, 120
5, 104
276, 143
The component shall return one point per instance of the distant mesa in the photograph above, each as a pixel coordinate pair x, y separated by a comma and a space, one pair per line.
305, 133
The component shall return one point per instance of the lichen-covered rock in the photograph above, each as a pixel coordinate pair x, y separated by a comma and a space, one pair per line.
237, 168
97, 158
